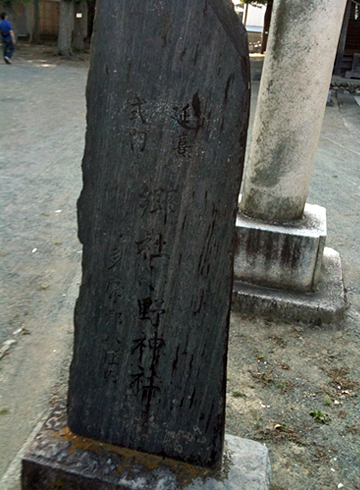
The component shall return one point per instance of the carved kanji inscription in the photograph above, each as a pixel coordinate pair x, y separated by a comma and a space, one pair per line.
167, 102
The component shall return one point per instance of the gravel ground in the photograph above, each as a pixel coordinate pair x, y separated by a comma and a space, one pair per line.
278, 371
42, 140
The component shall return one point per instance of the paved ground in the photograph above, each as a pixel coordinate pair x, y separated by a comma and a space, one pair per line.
42, 138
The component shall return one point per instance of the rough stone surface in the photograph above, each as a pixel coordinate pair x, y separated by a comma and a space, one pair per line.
327, 304
289, 115
59, 459
281, 256
162, 169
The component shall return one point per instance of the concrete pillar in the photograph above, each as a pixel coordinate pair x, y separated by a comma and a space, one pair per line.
294, 86
281, 238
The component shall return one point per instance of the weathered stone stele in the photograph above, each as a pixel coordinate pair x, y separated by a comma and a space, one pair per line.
168, 101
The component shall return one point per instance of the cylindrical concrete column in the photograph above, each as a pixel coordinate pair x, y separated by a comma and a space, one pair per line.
292, 97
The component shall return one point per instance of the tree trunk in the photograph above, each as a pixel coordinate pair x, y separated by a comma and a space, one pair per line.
12, 18
342, 40
66, 22
80, 25
245, 14
91, 15
36, 28
266, 28
85, 19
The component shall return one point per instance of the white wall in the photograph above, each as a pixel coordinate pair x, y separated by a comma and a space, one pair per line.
255, 17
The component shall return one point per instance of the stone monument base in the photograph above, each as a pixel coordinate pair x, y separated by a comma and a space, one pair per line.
327, 304
59, 459
284, 257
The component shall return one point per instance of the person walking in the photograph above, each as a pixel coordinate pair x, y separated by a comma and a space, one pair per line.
7, 38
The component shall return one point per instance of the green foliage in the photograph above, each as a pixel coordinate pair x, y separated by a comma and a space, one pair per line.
320, 417
327, 400
256, 3
238, 394
8, 4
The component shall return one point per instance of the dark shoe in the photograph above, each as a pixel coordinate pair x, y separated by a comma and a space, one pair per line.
7, 60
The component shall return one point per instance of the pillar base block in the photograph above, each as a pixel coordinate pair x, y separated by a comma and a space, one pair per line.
60, 459
326, 305
284, 257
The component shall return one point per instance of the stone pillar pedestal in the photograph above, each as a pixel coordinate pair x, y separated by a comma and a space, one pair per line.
281, 241
282, 257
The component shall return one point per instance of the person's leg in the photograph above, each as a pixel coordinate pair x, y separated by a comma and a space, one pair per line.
3, 47
10, 48
8, 51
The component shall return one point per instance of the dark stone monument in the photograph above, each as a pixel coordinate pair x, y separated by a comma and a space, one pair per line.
168, 103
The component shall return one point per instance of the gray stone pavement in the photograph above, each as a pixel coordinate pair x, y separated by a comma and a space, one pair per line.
42, 139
